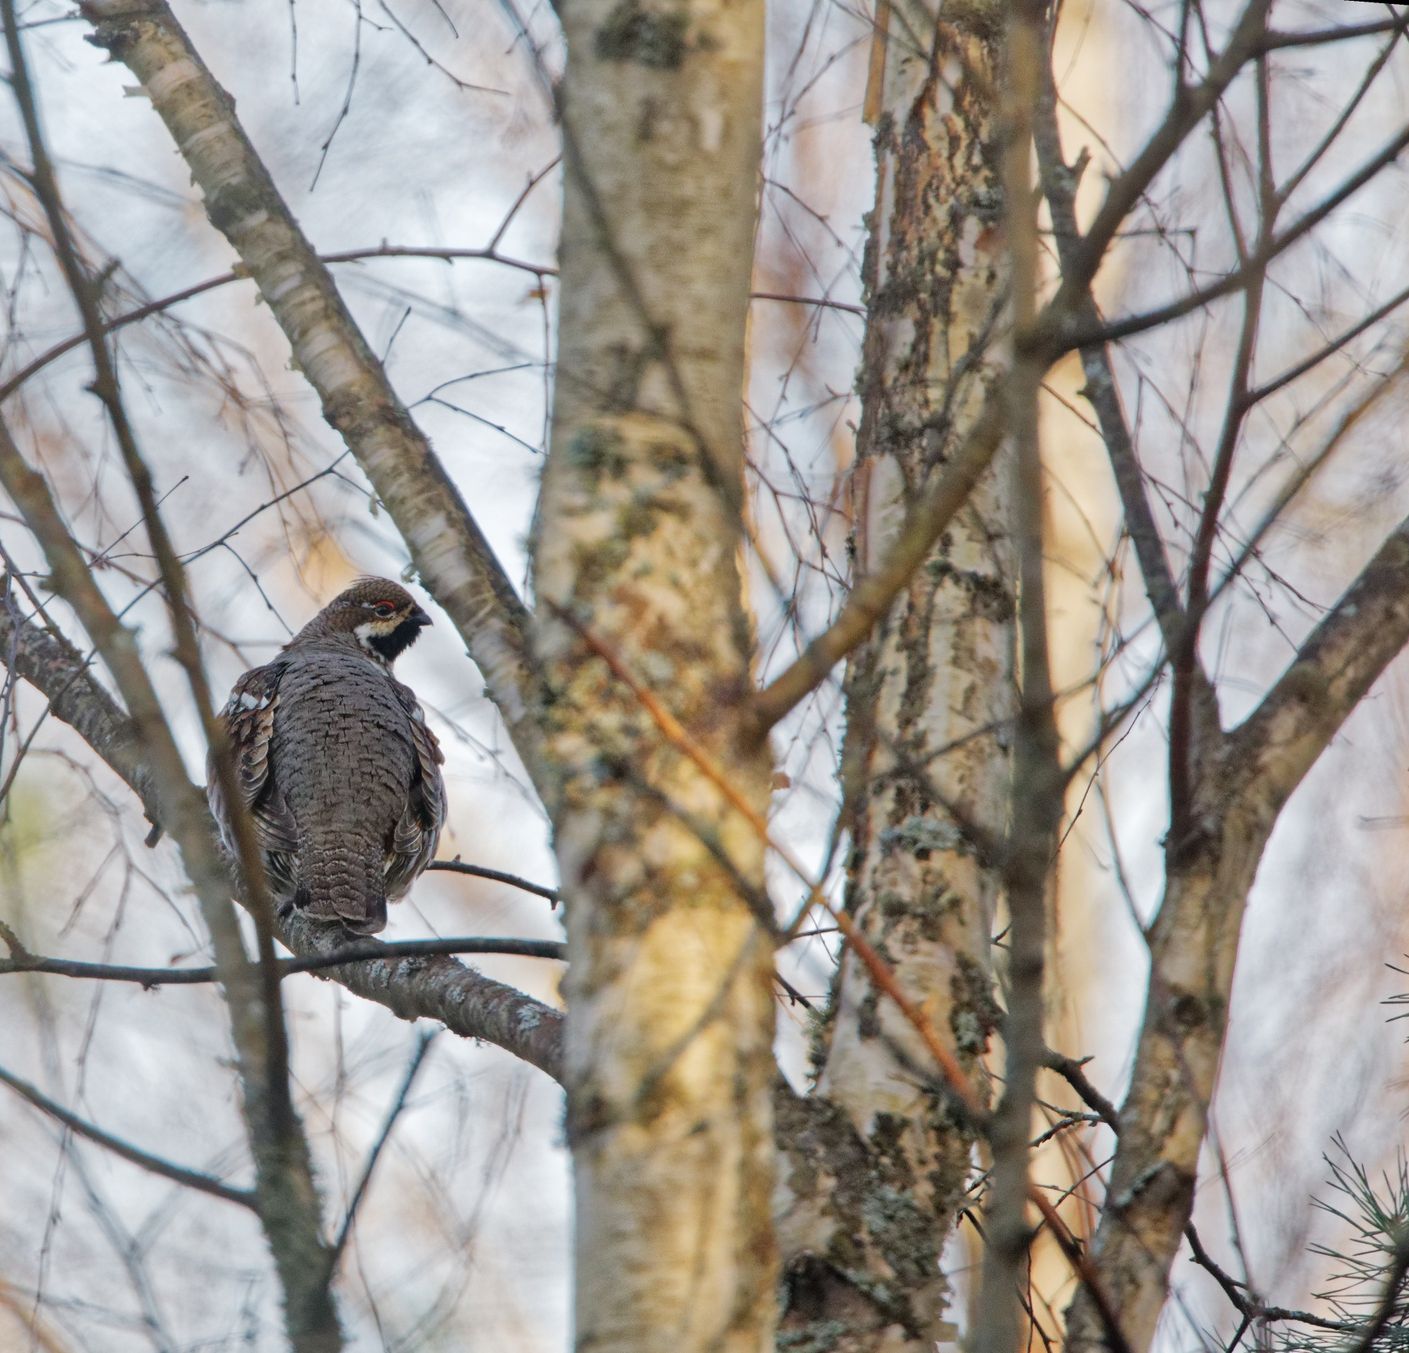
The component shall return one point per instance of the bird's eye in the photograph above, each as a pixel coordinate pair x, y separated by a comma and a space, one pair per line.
383, 609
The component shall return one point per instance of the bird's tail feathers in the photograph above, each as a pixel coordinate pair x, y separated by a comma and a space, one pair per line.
344, 882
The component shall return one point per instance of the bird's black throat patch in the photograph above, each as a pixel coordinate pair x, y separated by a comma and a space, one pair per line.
393, 644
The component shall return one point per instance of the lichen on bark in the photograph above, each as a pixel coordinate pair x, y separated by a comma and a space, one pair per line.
930, 697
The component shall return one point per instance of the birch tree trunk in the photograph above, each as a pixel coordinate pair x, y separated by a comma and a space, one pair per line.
930, 697
669, 1062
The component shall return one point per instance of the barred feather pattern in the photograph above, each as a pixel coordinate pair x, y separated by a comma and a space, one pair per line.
336, 765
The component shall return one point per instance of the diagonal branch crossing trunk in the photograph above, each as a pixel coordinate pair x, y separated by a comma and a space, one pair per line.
930, 700
669, 1063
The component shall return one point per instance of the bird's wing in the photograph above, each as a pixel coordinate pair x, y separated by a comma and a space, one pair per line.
249, 723
418, 830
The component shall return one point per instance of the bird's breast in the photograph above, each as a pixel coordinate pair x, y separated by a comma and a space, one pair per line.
342, 742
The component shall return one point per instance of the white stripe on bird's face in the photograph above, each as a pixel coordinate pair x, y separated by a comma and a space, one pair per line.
370, 630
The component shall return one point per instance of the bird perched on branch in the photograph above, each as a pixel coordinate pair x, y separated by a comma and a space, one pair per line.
335, 763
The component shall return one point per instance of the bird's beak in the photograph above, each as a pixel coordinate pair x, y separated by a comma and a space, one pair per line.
419, 617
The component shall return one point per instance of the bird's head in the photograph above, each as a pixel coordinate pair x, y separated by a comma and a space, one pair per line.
382, 616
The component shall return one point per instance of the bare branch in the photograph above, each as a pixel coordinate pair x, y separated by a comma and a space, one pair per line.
351, 953
1059, 187
1251, 1307
480, 871
1071, 1071
178, 1174
46, 660
1337, 346
1277, 40
1239, 787
1038, 782
1187, 110
466, 1002
398, 1104
872, 595
821, 302
1059, 332
164, 303
1342, 658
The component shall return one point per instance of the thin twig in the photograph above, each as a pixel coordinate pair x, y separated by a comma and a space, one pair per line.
1059, 331
398, 1104
1187, 110
178, 1174
1071, 1071
1248, 1304
821, 302
150, 308
1059, 187
360, 951
480, 871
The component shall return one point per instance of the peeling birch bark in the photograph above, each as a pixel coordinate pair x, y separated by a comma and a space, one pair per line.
669, 1050
937, 674
452, 556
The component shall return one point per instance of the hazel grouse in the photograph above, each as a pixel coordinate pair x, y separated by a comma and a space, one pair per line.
335, 762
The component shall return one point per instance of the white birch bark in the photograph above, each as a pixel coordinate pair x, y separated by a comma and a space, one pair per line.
669, 1062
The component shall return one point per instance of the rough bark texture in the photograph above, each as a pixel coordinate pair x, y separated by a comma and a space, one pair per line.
441, 988
669, 1062
49, 662
455, 562
863, 1265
